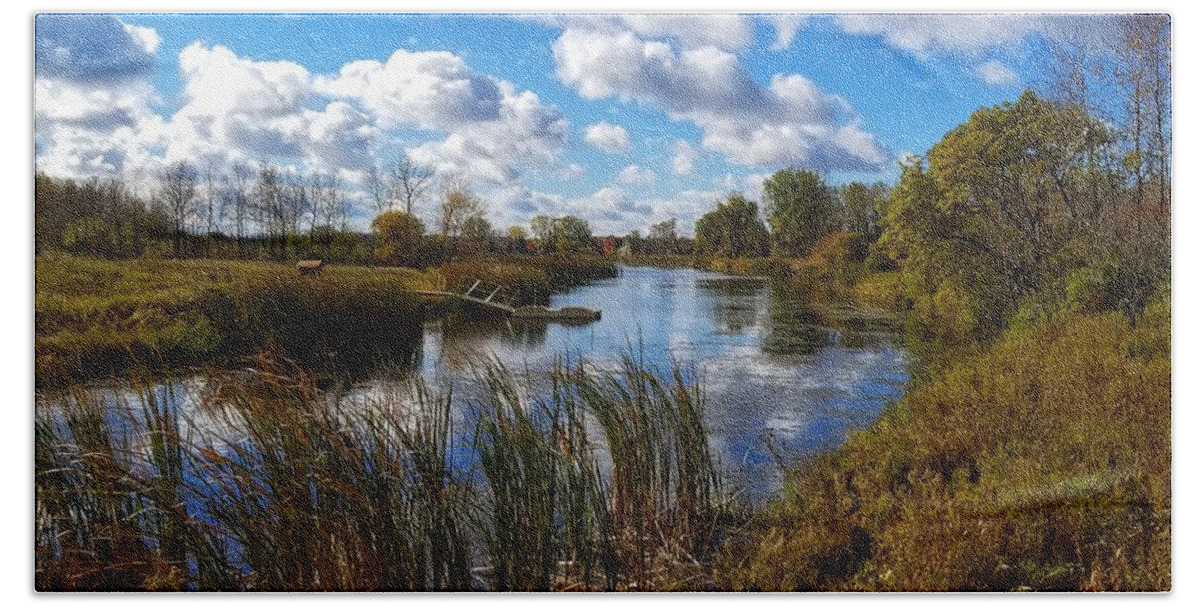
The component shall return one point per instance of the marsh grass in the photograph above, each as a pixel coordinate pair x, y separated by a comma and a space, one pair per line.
99, 318
263, 482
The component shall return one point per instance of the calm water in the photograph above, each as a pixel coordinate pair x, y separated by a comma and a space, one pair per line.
779, 385
773, 376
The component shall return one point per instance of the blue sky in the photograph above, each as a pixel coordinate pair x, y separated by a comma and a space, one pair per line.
624, 120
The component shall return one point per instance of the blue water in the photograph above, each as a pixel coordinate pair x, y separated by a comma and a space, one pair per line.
770, 371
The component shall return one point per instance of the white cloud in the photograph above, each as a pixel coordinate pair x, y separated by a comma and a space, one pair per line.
786, 26
635, 174
524, 134
996, 73
609, 138
683, 162
427, 89
146, 36
791, 121
976, 35
235, 109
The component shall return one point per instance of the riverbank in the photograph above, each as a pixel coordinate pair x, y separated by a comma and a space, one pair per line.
101, 318
1039, 462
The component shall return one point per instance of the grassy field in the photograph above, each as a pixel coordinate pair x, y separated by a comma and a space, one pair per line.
97, 318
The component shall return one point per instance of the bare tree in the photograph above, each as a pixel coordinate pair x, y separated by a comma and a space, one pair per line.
458, 207
378, 189
177, 193
410, 182
213, 204
237, 193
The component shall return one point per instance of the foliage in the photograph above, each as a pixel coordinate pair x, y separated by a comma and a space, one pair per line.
996, 474
275, 486
98, 318
733, 229
801, 210
399, 237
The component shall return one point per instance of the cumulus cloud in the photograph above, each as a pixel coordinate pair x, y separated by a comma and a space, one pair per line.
89, 48
786, 26
683, 162
606, 137
996, 73
635, 174
427, 89
790, 121
92, 95
524, 134
236, 109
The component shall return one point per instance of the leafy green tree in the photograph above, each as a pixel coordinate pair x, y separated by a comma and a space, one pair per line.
476, 234
733, 229
861, 204
800, 208
998, 215
572, 233
398, 237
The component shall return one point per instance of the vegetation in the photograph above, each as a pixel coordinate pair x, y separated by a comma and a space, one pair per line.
98, 318
310, 494
1028, 252
733, 230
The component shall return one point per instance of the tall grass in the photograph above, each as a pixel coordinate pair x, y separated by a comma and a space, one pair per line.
99, 318
1041, 462
596, 480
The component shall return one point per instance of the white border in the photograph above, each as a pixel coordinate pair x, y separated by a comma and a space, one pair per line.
16, 248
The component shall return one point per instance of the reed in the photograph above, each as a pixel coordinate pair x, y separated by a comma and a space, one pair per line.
577, 479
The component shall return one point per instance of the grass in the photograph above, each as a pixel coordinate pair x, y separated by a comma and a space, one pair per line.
527, 279
1042, 462
604, 481
100, 318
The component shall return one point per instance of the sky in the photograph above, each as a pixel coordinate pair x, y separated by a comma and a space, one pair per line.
624, 120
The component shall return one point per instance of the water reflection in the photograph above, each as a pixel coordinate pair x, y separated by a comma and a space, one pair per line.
772, 372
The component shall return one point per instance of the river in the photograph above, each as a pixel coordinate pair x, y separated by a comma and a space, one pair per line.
779, 384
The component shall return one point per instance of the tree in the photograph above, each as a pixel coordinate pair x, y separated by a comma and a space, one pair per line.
733, 229
177, 194
398, 238
237, 190
800, 208
542, 227
663, 237
476, 234
999, 213
517, 238
861, 204
571, 233
377, 189
458, 206
269, 207
410, 181
213, 205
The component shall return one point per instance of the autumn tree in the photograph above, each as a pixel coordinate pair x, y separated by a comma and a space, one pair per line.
398, 238
999, 213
